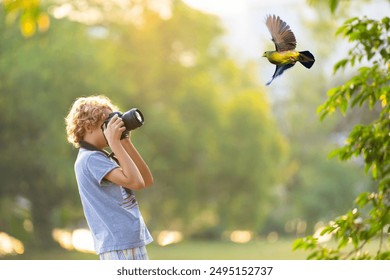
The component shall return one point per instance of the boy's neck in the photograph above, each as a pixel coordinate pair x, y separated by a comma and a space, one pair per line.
95, 138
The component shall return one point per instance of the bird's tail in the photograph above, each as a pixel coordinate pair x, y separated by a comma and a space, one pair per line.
306, 58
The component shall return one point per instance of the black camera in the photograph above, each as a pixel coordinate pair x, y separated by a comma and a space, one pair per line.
132, 119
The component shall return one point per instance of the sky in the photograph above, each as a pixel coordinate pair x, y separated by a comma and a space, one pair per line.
231, 7
245, 19
247, 35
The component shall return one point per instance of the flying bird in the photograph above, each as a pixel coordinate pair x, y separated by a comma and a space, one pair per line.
285, 56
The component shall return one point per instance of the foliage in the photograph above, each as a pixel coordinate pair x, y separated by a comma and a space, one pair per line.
34, 86
197, 101
210, 137
30, 14
370, 219
317, 188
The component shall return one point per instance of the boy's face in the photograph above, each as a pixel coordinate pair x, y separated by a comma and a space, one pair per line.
95, 135
102, 138
106, 113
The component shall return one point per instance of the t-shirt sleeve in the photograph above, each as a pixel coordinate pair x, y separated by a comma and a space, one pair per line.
100, 165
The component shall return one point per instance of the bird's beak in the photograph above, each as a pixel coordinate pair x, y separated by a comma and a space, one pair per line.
264, 55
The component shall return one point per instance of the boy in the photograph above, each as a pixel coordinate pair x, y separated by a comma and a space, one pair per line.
106, 186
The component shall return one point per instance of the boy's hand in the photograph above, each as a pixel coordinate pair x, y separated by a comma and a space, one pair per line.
114, 130
128, 136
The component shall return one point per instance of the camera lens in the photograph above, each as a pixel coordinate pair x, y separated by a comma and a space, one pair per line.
138, 116
133, 119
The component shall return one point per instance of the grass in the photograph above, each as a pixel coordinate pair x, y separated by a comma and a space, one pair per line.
203, 250
194, 250
188, 250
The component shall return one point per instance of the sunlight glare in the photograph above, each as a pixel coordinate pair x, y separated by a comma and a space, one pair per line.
167, 237
63, 237
62, 11
162, 7
241, 236
322, 238
82, 241
10, 245
218, 7
79, 239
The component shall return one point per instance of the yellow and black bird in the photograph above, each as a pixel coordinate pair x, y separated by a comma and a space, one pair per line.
285, 55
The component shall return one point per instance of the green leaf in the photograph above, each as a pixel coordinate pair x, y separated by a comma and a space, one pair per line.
374, 171
334, 153
332, 92
340, 64
344, 106
333, 5
342, 243
298, 244
362, 199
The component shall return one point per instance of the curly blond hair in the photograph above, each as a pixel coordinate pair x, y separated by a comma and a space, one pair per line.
85, 113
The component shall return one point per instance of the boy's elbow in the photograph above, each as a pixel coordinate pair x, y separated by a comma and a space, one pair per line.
149, 182
135, 184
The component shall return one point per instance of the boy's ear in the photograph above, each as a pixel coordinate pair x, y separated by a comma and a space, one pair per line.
88, 129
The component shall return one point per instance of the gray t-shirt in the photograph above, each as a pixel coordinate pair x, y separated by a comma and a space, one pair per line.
112, 214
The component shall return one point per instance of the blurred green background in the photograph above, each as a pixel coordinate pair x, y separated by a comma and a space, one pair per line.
233, 161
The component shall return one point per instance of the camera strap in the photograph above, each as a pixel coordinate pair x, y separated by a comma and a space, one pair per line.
90, 147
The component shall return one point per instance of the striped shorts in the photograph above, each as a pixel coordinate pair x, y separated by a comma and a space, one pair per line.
139, 253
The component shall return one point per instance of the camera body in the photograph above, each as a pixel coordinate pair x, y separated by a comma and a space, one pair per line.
132, 119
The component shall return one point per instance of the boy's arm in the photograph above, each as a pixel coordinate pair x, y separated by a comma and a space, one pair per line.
128, 175
138, 160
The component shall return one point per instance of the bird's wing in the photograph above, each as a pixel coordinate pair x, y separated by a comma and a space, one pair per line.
279, 71
281, 33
